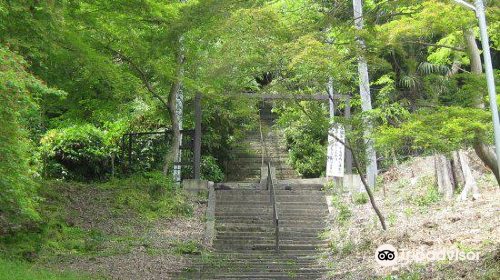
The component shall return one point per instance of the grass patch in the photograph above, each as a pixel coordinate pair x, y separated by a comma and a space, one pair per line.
189, 247
13, 270
52, 235
150, 195
360, 198
344, 249
430, 195
391, 219
210, 260
344, 213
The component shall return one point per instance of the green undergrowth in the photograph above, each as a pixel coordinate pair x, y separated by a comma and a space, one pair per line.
53, 234
188, 247
149, 195
341, 243
14, 270
138, 199
430, 193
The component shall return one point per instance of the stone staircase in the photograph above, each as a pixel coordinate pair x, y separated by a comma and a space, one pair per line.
244, 244
245, 167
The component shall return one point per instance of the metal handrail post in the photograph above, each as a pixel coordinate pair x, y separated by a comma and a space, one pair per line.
272, 196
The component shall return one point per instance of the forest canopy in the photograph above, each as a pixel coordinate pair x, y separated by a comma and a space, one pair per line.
77, 75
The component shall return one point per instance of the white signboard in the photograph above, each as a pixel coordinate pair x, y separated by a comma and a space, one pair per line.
336, 152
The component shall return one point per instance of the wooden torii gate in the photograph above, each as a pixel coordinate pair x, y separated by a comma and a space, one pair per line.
313, 97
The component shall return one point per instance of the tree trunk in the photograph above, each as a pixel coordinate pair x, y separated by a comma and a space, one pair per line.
172, 155
444, 176
394, 159
470, 182
366, 103
475, 58
488, 157
456, 167
484, 153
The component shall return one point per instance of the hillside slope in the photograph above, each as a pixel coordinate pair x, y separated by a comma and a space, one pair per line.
418, 218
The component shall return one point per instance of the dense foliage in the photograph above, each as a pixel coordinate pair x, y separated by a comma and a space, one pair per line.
77, 152
77, 75
19, 130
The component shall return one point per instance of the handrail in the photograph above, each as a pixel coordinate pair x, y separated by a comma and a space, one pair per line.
272, 196
270, 185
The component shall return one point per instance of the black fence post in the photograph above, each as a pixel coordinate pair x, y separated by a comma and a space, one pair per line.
130, 139
197, 137
123, 154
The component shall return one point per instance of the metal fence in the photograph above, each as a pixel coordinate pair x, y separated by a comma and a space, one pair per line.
145, 151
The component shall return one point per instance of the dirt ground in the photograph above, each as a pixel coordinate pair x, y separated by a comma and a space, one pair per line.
417, 219
131, 248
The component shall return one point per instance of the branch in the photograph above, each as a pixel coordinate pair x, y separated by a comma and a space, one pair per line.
365, 184
356, 165
141, 73
437, 45
465, 4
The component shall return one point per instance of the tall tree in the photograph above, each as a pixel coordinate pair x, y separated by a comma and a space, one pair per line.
364, 91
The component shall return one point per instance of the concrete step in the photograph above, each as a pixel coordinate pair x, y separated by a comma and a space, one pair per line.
251, 274
304, 254
259, 268
280, 186
258, 148
249, 179
287, 223
283, 208
267, 246
258, 159
257, 228
314, 187
257, 165
251, 163
298, 215
274, 156
268, 237
256, 169
310, 275
238, 243
282, 214
221, 197
253, 190
270, 234
260, 204
268, 221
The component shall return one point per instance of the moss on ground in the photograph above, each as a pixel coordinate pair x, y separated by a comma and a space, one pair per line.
14, 270
71, 210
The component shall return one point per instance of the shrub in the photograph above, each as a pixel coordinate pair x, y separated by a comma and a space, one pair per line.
210, 170
18, 90
306, 137
360, 198
78, 152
